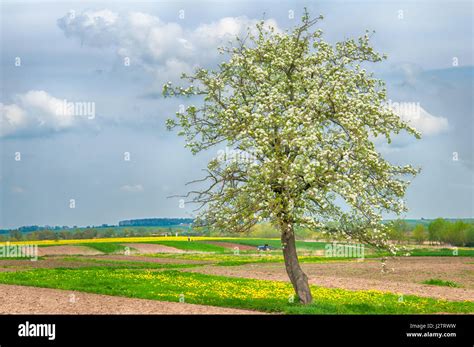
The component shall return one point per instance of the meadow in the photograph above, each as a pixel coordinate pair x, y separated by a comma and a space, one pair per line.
232, 273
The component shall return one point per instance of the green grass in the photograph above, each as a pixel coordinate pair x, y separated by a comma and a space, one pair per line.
83, 263
192, 246
441, 252
242, 260
125, 264
203, 246
105, 247
245, 258
224, 259
230, 259
275, 243
21, 258
269, 296
439, 282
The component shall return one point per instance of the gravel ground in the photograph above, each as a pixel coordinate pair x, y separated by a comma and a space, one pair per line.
32, 300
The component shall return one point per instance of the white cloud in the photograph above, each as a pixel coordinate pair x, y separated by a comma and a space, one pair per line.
420, 119
417, 117
95, 28
12, 118
167, 49
428, 124
34, 112
132, 188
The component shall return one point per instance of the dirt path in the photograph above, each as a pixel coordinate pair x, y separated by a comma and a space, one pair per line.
31, 300
403, 275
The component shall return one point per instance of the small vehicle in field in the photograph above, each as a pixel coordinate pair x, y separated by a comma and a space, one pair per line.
265, 247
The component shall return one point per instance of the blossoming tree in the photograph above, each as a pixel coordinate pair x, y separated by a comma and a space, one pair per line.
305, 112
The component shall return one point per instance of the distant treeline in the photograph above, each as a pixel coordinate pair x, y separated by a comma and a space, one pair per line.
437, 231
156, 222
32, 228
96, 232
454, 232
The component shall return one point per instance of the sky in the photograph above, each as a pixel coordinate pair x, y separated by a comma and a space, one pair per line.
107, 153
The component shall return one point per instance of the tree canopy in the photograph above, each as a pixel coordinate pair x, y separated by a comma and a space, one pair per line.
305, 113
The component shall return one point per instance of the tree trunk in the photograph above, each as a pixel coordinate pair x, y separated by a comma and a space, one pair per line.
298, 278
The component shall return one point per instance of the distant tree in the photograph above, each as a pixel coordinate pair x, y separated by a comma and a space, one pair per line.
108, 233
64, 235
264, 230
470, 236
45, 235
89, 233
419, 233
397, 230
436, 228
455, 233
300, 116
16, 235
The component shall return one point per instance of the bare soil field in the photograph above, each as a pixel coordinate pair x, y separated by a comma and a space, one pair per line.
402, 275
31, 300
149, 248
87, 261
49, 263
67, 250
